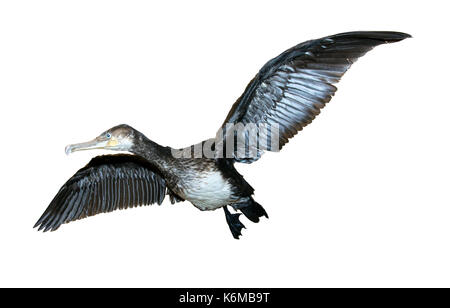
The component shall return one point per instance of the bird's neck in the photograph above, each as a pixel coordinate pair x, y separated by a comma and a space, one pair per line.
152, 152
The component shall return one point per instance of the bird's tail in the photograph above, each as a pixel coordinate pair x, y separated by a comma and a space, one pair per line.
252, 210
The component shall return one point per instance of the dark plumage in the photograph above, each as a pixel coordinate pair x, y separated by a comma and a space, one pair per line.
300, 81
106, 184
286, 95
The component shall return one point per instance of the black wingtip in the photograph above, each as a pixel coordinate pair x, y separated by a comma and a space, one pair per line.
38, 224
392, 37
406, 35
386, 36
396, 36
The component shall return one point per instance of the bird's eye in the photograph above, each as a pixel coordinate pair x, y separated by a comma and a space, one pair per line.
108, 135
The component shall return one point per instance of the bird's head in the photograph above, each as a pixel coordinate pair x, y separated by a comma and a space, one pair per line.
117, 138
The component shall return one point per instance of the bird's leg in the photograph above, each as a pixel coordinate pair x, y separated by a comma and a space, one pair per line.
233, 222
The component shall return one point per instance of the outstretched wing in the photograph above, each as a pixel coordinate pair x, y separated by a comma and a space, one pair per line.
289, 90
107, 183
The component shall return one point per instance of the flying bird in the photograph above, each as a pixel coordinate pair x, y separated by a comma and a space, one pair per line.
285, 95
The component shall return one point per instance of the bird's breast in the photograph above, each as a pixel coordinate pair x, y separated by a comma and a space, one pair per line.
207, 190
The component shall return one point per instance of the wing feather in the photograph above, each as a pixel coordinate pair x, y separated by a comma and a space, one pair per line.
290, 90
106, 184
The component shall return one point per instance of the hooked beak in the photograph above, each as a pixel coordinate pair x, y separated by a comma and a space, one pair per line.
93, 144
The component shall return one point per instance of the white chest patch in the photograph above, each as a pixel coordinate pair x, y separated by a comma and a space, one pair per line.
209, 191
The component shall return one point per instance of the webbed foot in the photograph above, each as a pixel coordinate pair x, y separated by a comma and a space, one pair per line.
234, 223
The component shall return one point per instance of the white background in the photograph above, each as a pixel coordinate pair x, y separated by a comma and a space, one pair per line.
359, 198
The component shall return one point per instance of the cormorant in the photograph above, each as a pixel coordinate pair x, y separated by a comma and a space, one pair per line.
284, 96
